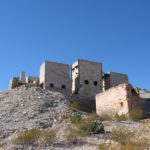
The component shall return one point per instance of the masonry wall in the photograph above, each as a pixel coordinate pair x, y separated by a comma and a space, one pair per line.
113, 79
86, 81
120, 100
55, 75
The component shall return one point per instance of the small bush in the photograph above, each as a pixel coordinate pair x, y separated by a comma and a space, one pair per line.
128, 139
105, 117
103, 146
35, 136
28, 137
121, 135
75, 117
74, 135
120, 118
90, 125
136, 114
47, 137
85, 127
74, 105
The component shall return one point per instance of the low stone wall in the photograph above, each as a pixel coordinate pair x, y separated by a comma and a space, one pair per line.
120, 100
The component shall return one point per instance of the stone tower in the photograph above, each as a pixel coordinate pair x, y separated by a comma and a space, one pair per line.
86, 81
55, 76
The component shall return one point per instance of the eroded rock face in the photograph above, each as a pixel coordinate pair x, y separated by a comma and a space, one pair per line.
120, 100
29, 107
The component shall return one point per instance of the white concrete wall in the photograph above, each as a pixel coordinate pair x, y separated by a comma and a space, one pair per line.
55, 73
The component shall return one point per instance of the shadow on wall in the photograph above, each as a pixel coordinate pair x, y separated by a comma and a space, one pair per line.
145, 104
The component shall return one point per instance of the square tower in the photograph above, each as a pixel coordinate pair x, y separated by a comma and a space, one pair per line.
86, 79
55, 76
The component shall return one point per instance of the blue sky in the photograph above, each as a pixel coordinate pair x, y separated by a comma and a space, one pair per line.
114, 32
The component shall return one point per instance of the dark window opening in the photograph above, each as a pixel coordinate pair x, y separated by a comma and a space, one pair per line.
95, 83
121, 104
51, 85
41, 85
86, 82
63, 87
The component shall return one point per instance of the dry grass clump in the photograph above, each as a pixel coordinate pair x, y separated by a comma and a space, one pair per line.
136, 114
128, 139
35, 137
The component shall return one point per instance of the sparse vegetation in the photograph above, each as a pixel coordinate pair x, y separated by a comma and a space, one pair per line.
121, 117
85, 127
105, 117
103, 146
136, 114
75, 117
74, 105
128, 139
35, 137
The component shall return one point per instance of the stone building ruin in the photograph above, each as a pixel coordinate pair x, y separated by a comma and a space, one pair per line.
55, 76
120, 100
83, 80
86, 81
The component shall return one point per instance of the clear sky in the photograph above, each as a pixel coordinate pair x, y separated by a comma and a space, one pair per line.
114, 32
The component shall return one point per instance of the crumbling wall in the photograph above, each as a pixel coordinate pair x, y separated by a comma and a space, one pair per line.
32, 80
14, 82
120, 100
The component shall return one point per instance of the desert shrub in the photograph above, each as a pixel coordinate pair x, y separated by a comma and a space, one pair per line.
75, 117
105, 117
121, 134
136, 114
35, 136
103, 146
90, 125
74, 135
74, 105
28, 137
121, 117
128, 139
85, 127
47, 137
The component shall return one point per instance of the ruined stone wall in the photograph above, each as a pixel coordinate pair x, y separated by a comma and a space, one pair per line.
55, 75
119, 100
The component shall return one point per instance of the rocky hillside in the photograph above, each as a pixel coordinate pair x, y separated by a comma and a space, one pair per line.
61, 127
29, 107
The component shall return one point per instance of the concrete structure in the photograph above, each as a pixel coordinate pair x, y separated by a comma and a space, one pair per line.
120, 100
112, 79
55, 76
86, 81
